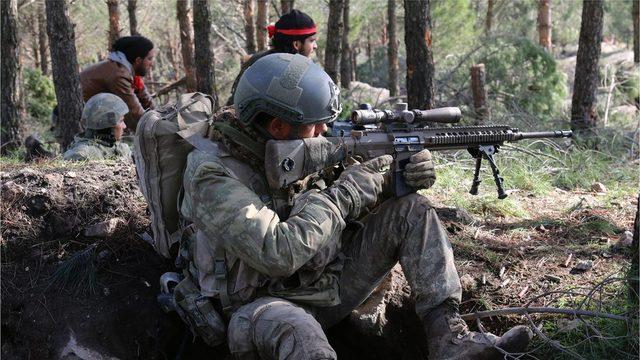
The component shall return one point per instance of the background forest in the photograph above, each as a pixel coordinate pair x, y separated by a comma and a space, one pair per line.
564, 238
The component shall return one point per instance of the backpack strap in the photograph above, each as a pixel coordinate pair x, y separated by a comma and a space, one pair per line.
220, 273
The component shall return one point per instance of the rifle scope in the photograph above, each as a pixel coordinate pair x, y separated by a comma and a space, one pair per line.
446, 115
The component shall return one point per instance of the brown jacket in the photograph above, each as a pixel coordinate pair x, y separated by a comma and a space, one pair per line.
113, 77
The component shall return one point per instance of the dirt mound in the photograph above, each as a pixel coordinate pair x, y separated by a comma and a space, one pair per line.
60, 287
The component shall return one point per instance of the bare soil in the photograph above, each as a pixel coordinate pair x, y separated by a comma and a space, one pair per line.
45, 209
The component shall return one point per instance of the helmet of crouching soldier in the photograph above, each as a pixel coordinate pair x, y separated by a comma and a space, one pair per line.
103, 111
287, 86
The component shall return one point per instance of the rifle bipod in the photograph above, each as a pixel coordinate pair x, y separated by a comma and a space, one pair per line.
486, 151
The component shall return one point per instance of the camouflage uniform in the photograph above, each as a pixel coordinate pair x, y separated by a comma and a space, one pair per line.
293, 270
95, 149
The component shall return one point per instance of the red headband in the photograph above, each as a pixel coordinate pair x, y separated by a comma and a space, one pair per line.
306, 31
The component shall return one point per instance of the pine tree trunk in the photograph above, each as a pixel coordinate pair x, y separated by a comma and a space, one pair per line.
584, 114
420, 69
544, 23
249, 28
262, 19
114, 22
33, 19
334, 31
205, 77
345, 57
42, 40
636, 31
186, 43
489, 20
64, 66
392, 48
479, 92
286, 6
133, 21
11, 127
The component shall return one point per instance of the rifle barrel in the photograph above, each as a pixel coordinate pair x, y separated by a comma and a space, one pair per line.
545, 134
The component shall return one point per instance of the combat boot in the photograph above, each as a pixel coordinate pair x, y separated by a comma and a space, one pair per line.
449, 337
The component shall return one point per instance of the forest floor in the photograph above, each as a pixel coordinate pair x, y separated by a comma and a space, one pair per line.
66, 294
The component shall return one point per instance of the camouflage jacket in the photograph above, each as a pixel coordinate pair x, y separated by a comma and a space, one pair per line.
94, 149
270, 248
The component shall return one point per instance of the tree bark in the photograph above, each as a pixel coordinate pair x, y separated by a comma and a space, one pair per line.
420, 69
584, 114
64, 66
42, 40
186, 43
11, 127
114, 22
133, 21
334, 31
479, 93
33, 19
636, 31
205, 77
345, 57
392, 49
286, 6
489, 20
249, 28
544, 23
262, 19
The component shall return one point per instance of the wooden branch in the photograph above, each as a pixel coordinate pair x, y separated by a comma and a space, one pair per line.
228, 42
549, 310
174, 85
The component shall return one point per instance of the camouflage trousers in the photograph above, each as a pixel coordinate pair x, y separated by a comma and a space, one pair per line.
405, 230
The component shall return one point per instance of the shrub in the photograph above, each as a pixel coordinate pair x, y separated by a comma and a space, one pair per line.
40, 94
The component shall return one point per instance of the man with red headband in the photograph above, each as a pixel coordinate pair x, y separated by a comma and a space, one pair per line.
293, 33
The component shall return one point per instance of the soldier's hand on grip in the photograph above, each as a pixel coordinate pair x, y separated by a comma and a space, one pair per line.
365, 182
419, 172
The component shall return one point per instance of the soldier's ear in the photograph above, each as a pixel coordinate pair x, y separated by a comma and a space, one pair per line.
279, 129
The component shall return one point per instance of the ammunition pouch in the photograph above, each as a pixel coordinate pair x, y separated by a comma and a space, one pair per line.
199, 313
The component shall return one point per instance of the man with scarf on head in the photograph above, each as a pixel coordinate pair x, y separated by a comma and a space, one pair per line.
121, 74
294, 33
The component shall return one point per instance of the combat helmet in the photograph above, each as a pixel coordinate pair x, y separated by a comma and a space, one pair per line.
103, 111
287, 86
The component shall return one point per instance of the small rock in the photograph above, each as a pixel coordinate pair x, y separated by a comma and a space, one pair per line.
71, 174
104, 229
625, 240
54, 180
583, 265
458, 215
598, 187
468, 282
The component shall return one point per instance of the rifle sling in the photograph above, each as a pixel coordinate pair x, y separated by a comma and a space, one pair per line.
240, 138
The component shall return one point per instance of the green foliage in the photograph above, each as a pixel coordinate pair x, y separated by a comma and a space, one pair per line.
40, 94
524, 76
453, 27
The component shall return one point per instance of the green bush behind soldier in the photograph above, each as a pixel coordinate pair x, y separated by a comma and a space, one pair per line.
293, 270
294, 33
103, 120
